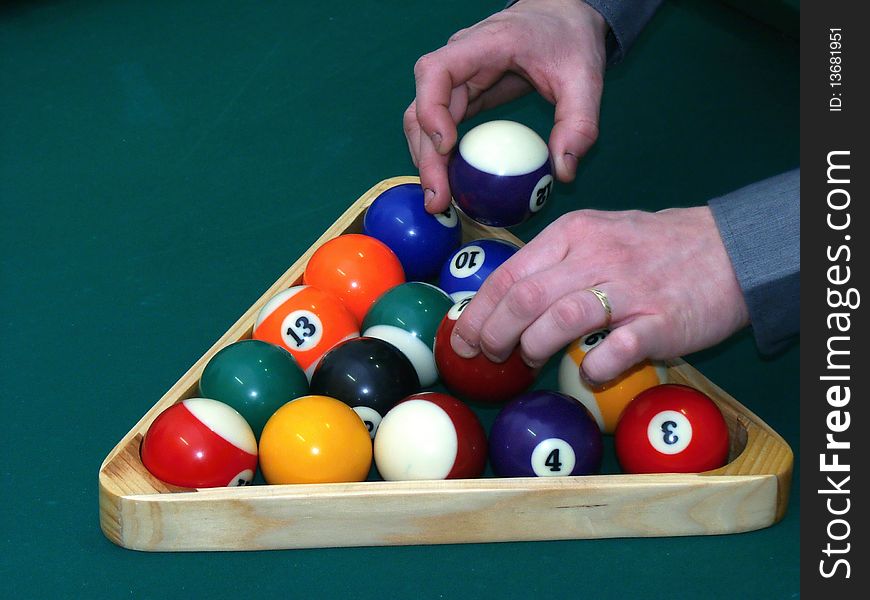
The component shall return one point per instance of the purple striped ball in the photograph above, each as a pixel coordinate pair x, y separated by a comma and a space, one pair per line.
501, 174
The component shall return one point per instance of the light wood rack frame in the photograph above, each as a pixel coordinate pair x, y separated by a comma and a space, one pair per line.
139, 512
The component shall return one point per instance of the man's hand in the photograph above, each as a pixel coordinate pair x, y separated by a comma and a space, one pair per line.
667, 276
553, 46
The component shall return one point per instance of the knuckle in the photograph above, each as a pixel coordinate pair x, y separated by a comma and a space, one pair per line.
469, 323
498, 284
457, 36
409, 119
526, 298
568, 312
587, 129
466, 331
495, 24
424, 65
636, 220
572, 221
490, 340
427, 162
625, 343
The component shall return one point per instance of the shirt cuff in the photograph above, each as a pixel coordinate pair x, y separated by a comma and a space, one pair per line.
760, 227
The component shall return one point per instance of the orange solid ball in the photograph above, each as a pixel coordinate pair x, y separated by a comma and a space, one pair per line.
355, 267
315, 439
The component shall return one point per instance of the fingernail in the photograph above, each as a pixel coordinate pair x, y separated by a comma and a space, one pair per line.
570, 163
589, 381
461, 346
436, 140
428, 197
532, 364
493, 357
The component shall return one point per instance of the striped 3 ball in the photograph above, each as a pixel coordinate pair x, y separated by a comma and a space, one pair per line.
200, 443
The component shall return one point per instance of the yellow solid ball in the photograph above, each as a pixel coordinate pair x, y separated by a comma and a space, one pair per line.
315, 439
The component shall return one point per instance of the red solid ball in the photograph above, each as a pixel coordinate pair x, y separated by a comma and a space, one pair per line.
671, 428
478, 379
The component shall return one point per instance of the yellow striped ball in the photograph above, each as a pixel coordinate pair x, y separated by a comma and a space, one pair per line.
606, 402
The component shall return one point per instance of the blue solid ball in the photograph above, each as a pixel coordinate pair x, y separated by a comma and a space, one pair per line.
421, 241
501, 173
468, 267
545, 434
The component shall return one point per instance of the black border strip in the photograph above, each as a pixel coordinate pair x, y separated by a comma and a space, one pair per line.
835, 109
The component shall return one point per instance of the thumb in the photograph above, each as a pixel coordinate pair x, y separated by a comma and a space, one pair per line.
575, 128
625, 347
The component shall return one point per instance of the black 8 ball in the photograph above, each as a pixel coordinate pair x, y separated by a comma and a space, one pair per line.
369, 375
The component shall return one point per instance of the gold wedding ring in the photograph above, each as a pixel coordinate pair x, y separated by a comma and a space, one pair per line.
605, 302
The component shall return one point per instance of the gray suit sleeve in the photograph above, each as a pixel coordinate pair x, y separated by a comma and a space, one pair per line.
760, 226
626, 19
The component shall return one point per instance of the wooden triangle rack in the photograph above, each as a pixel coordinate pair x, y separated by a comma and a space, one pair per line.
139, 512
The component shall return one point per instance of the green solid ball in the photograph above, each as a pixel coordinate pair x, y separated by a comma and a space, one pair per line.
408, 316
254, 377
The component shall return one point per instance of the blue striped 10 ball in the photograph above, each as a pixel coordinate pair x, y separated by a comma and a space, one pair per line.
468, 267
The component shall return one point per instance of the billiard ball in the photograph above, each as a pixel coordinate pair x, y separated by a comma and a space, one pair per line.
367, 374
315, 439
254, 377
468, 267
430, 436
501, 173
200, 443
478, 379
407, 317
356, 268
422, 241
545, 434
607, 401
671, 428
307, 322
